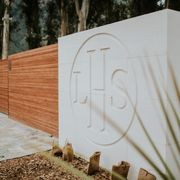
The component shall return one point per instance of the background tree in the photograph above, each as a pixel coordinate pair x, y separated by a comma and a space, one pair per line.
72, 17
38, 23
82, 10
31, 12
107, 11
173, 4
1, 24
140, 7
53, 21
61, 19
6, 22
64, 30
18, 29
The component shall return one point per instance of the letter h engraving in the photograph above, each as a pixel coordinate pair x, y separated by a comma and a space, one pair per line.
97, 88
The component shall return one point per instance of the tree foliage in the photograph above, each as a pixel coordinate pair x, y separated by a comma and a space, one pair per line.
61, 17
173, 4
2, 7
107, 11
53, 21
140, 7
31, 11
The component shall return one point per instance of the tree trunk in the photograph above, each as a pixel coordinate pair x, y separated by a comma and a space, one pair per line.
6, 19
64, 30
167, 4
81, 23
82, 13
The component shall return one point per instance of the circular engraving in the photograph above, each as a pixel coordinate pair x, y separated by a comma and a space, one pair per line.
101, 77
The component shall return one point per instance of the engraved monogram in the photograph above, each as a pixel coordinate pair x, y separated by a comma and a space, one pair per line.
99, 77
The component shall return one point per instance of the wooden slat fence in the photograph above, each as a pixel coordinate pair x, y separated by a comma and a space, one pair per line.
33, 94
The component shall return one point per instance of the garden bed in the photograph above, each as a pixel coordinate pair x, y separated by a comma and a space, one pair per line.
40, 167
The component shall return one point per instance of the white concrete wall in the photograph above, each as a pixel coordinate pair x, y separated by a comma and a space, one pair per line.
96, 69
173, 57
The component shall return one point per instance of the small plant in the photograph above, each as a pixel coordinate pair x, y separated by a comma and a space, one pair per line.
169, 175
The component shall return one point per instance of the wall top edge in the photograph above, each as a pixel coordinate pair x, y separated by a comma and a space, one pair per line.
163, 13
49, 48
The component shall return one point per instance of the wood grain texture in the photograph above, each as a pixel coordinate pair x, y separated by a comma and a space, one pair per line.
4, 86
33, 88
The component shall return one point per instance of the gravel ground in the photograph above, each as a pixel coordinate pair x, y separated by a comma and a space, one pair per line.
38, 167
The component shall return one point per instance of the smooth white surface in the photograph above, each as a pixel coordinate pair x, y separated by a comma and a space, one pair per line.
102, 72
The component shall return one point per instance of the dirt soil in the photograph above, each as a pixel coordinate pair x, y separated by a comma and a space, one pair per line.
38, 167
